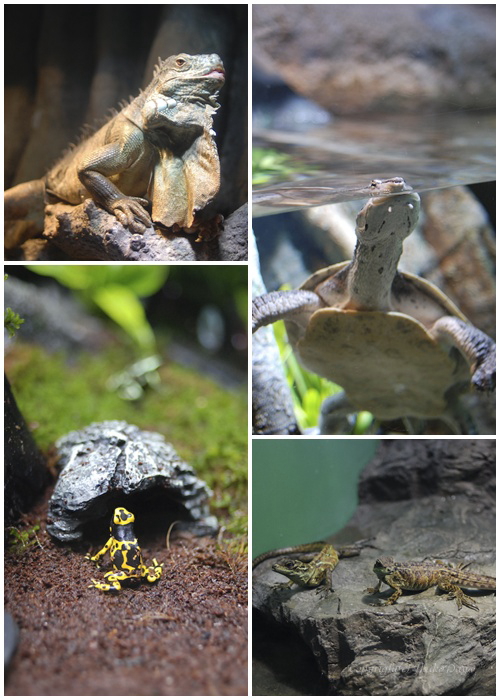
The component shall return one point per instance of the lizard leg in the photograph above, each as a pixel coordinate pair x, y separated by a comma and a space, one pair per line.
376, 589
394, 597
283, 586
457, 593
327, 585
393, 581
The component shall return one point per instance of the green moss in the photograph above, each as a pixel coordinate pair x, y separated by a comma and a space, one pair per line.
19, 541
206, 424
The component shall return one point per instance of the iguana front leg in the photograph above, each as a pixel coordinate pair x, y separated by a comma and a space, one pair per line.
95, 170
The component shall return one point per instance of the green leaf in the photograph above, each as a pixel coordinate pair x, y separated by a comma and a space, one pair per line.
123, 306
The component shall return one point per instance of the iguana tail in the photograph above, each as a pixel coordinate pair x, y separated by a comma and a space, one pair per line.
24, 207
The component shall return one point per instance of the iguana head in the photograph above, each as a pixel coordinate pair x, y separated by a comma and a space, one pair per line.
185, 77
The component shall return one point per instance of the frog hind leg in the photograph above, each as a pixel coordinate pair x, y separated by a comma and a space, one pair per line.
112, 583
152, 573
115, 586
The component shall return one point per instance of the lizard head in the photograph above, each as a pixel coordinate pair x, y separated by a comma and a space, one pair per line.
184, 76
384, 566
183, 94
296, 570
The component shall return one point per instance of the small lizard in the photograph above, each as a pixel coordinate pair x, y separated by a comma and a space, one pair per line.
315, 569
158, 148
421, 575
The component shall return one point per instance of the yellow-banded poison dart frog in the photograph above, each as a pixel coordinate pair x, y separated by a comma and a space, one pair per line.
125, 555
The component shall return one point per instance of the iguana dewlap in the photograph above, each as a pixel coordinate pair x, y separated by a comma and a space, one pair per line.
158, 148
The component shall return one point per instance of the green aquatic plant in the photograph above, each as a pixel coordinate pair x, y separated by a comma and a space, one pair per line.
268, 163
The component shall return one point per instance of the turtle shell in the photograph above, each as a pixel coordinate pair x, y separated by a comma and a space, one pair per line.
387, 362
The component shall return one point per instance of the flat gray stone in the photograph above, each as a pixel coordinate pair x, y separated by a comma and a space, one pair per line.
419, 498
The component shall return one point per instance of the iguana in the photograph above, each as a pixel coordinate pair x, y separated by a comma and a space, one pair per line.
159, 148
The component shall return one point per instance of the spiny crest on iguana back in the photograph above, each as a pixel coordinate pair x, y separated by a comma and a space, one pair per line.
157, 85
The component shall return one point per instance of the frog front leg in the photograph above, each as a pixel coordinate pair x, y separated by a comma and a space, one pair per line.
101, 552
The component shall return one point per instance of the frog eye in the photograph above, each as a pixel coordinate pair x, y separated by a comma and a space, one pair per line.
179, 62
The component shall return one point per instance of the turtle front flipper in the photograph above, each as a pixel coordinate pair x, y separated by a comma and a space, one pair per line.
337, 415
477, 348
276, 306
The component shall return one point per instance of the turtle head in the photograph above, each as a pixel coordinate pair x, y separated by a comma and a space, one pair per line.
388, 218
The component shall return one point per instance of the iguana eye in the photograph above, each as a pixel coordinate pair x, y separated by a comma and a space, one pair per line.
180, 62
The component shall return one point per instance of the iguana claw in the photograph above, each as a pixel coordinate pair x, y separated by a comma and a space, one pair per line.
131, 213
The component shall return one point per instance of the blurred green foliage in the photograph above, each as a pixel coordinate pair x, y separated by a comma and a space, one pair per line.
269, 164
11, 320
19, 541
116, 290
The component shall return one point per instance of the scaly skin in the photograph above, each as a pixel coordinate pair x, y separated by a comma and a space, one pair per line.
421, 575
158, 148
314, 571
397, 346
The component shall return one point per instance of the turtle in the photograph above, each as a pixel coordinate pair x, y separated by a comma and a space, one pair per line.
396, 344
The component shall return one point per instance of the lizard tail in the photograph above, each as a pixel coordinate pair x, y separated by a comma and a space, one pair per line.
24, 207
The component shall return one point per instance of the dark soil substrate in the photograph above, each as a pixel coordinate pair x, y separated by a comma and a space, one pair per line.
184, 635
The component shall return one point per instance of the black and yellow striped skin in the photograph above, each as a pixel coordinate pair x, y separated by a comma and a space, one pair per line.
125, 555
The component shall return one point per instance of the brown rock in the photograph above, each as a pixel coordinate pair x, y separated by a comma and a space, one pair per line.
358, 58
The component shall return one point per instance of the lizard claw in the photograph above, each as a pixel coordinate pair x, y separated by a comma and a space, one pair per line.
131, 213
